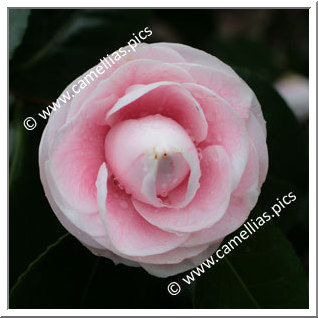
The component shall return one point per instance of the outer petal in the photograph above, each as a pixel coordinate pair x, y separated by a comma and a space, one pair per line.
195, 56
75, 223
256, 110
76, 155
256, 134
56, 121
88, 227
209, 203
228, 86
156, 52
167, 270
112, 256
174, 256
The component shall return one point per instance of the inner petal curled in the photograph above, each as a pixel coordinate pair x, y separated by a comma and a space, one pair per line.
152, 156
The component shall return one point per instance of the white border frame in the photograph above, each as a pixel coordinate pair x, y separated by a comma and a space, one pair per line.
312, 164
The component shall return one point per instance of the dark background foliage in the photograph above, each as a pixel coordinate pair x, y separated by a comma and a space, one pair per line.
50, 48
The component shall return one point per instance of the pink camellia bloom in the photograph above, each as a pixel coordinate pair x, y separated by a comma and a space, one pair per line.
157, 160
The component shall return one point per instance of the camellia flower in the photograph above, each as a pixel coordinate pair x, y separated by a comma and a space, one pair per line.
156, 160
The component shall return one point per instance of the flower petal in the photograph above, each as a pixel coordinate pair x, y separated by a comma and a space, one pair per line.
128, 232
228, 86
166, 270
225, 129
196, 56
242, 202
174, 256
75, 157
155, 52
128, 74
256, 134
86, 226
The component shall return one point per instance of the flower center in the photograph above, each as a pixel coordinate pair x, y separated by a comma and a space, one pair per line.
149, 156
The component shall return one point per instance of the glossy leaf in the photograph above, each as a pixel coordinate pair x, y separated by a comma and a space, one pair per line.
67, 275
262, 272
288, 153
18, 21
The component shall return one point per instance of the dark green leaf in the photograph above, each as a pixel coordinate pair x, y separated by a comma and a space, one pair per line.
18, 21
265, 271
288, 153
33, 263
32, 224
60, 45
244, 53
67, 275
294, 219
288, 163
262, 272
